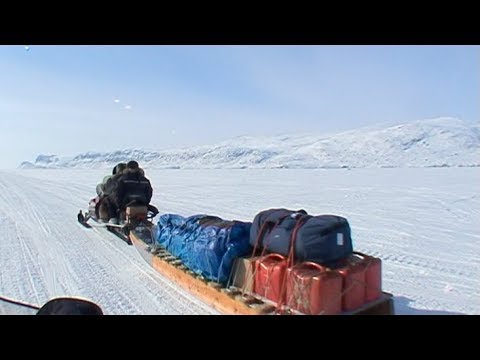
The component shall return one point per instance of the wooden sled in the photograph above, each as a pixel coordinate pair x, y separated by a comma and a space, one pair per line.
229, 300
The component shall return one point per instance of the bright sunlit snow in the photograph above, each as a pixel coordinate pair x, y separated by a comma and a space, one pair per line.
422, 222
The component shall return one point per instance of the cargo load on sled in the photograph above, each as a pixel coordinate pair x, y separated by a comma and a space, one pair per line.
284, 262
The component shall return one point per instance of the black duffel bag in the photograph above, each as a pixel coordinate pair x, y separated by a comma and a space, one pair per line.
322, 239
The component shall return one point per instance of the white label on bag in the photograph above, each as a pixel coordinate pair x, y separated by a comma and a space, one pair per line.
340, 239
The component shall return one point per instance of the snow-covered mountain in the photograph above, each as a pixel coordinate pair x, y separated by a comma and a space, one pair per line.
423, 143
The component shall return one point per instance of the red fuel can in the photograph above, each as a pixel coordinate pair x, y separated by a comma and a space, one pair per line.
373, 276
353, 272
314, 290
269, 276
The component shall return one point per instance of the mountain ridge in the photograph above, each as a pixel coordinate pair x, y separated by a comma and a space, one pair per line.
423, 143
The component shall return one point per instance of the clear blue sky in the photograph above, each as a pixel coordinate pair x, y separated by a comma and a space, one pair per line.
61, 99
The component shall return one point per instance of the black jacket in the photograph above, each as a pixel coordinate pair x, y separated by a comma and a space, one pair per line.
130, 186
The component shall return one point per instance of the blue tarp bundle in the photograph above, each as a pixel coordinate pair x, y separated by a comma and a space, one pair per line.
206, 244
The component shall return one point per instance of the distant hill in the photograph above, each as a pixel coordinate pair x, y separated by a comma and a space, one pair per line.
423, 143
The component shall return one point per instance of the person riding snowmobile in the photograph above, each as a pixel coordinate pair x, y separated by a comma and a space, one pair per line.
102, 187
130, 187
105, 188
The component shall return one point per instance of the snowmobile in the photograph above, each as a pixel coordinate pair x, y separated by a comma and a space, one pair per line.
135, 216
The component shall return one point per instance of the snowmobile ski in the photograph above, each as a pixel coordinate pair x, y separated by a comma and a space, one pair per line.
88, 226
82, 220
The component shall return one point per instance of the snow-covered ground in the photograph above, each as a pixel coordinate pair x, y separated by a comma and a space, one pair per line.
424, 223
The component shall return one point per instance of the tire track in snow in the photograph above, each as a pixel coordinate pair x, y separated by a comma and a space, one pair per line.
168, 286
25, 279
83, 262
396, 217
185, 305
423, 264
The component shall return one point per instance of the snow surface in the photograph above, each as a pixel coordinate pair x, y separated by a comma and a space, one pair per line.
422, 222
426, 143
